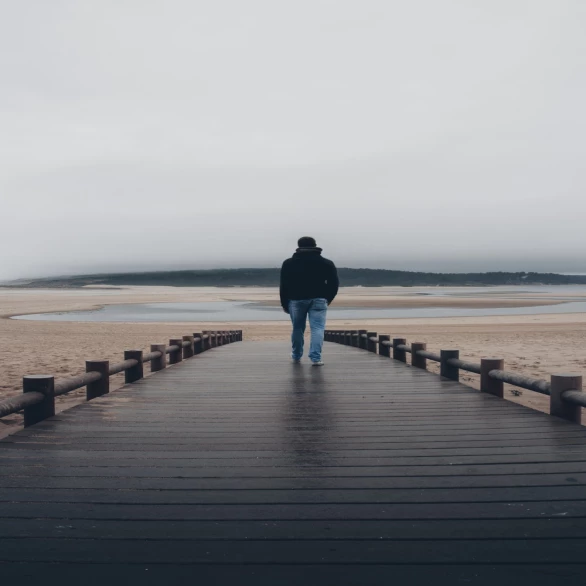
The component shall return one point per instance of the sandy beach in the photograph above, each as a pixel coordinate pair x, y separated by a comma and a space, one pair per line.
534, 345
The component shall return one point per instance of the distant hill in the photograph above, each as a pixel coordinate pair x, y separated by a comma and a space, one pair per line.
270, 278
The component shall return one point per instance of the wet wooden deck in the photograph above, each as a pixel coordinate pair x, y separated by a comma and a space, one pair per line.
238, 467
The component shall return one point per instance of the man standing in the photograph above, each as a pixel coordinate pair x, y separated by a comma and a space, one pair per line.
309, 283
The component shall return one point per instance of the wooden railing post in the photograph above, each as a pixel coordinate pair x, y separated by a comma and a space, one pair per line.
447, 370
355, 339
44, 384
370, 345
188, 351
159, 363
102, 386
177, 356
557, 406
136, 372
361, 340
416, 360
490, 385
384, 350
197, 343
399, 354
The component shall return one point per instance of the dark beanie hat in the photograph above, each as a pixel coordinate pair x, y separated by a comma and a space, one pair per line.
306, 242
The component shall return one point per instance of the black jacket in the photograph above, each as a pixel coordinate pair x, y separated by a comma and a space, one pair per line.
308, 275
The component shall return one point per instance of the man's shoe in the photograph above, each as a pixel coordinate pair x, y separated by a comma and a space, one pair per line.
295, 360
318, 363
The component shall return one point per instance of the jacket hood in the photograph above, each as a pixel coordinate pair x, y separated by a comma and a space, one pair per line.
305, 252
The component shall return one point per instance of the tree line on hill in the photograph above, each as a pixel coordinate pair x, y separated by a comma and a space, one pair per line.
270, 278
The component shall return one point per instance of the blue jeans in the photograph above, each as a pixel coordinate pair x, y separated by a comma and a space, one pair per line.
299, 310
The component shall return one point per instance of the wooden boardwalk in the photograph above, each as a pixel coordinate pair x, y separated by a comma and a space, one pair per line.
238, 467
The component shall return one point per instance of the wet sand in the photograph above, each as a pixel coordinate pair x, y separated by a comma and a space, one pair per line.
534, 345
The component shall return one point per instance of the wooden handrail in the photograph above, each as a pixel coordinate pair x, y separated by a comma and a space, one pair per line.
16, 404
429, 355
66, 385
524, 382
150, 356
575, 397
565, 391
404, 348
121, 367
38, 399
462, 365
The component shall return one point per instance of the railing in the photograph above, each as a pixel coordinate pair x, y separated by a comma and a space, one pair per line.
564, 391
39, 391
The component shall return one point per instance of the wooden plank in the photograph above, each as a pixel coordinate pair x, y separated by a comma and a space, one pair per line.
238, 472
574, 448
521, 529
295, 511
300, 482
341, 445
385, 433
270, 430
538, 574
165, 460
290, 496
286, 552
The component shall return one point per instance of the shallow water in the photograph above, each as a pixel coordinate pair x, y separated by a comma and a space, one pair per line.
230, 311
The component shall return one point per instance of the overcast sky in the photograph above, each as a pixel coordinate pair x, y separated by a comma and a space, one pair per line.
420, 134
